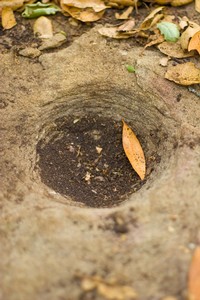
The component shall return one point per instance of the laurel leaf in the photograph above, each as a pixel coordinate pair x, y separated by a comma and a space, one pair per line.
133, 151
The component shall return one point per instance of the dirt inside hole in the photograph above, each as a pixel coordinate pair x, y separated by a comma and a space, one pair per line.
84, 159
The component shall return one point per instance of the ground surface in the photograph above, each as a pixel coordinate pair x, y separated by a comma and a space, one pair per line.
56, 109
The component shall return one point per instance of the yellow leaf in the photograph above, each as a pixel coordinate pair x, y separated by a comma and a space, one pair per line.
194, 276
197, 5
84, 15
14, 4
188, 33
96, 5
133, 150
194, 43
184, 74
8, 18
180, 2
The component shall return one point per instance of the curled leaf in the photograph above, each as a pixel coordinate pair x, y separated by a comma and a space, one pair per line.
39, 9
125, 15
169, 30
188, 33
152, 18
133, 151
194, 276
194, 43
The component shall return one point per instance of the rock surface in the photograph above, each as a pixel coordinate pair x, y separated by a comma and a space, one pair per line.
47, 241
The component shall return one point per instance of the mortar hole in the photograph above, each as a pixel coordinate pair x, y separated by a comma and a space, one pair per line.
83, 158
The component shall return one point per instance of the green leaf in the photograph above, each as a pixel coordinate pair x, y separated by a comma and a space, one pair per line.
169, 30
39, 9
130, 69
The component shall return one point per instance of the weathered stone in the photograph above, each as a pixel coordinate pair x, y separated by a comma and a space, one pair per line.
47, 241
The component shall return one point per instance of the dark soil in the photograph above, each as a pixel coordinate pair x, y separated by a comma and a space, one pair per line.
85, 160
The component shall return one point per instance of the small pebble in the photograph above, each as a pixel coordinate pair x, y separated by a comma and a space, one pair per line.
30, 52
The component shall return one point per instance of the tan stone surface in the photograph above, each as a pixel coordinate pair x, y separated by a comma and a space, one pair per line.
46, 243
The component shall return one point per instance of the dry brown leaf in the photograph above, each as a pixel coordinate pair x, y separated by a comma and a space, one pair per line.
155, 39
180, 2
125, 15
152, 18
113, 32
14, 4
174, 50
197, 5
133, 151
194, 276
173, 2
194, 43
127, 26
120, 3
8, 18
184, 74
188, 33
84, 15
96, 5
43, 28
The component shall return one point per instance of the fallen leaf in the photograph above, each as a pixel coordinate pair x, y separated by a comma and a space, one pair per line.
152, 19
180, 2
174, 50
183, 22
194, 276
125, 15
133, 151
194, 43
169, 30
8, 18
14, 4
96, 5
120, 3
39, 9
130, 69
84, 15
155, 39
197, 5
188, 34
173, 2
127, 26
113, 32
184, 74
43, 28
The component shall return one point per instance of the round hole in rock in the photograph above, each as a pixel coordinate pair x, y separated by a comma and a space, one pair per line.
86, 161
80, 153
